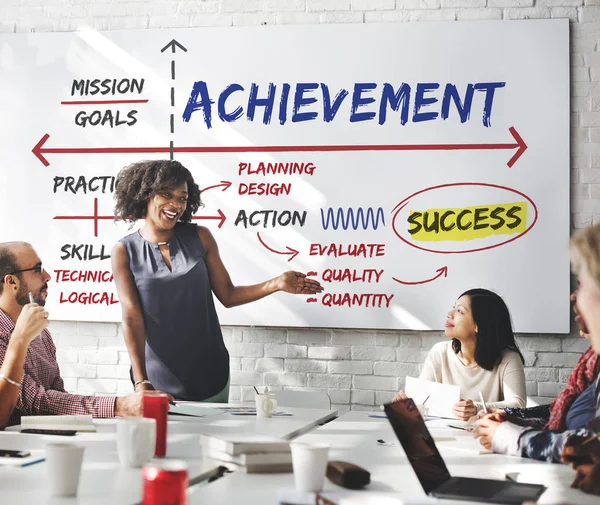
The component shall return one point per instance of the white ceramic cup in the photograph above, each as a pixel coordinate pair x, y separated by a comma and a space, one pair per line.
136, 439
63, 463
265, 404
310, 464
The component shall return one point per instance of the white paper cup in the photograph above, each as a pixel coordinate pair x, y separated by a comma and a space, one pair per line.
136, 440
310, 464
265, 404
63, 462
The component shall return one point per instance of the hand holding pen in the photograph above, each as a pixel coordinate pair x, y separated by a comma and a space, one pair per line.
579, 450
32, 320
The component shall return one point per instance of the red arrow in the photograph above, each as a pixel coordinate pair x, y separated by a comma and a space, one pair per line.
221, 217
224, 184
96, 217
441, 271
39, 150
291, 251
521, 146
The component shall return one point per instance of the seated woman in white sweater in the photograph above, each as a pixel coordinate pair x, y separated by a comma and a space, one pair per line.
482, 355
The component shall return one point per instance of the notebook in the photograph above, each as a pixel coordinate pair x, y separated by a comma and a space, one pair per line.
70, 422
236, 444
260, 462
431, 469
250, 459
193, 410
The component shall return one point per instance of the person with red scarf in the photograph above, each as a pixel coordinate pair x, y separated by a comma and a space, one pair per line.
572, 409
579, 448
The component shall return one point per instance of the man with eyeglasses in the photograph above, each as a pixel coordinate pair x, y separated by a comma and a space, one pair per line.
30, 382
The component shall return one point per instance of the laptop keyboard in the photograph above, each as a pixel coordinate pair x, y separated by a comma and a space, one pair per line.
466, 487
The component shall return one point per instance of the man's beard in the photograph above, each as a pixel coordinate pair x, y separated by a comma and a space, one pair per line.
23, 295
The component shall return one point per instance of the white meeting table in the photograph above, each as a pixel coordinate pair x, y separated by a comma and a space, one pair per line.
353, 438
104, 481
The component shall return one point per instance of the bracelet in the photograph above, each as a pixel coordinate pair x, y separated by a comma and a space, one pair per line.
145, 381
10, 381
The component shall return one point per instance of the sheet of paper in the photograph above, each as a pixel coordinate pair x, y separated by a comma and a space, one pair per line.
462, 425
250, 411
469, 445
194, 410
35, 457
441, 396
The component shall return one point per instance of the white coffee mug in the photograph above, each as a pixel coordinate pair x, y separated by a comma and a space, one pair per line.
63, 463
265, 404
310, 464
136, 438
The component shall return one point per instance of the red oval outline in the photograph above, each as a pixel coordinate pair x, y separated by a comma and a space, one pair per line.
406, 201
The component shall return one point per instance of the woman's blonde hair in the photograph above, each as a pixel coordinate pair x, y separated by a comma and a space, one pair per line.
585, 252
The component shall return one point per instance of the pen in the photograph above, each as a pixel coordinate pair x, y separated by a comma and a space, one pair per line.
483, 402
31, 300
171, 402
597, 435
33, 462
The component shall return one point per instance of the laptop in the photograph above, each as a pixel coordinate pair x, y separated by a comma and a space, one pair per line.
432, 472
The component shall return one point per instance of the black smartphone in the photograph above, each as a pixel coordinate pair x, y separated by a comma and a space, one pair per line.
8, 453
64, 433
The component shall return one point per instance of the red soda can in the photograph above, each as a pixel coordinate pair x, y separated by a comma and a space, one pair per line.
165, 483
156, 406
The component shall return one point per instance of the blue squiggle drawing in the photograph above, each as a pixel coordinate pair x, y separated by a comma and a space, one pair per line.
352, 218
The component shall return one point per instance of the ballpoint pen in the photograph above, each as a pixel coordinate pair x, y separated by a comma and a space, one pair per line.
587, 441
483, 402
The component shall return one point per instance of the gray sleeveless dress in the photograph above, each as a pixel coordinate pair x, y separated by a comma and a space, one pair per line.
185, 353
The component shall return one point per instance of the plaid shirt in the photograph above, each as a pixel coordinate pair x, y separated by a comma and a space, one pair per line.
43, 390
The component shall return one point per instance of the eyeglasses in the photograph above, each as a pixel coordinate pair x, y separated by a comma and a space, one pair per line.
36, 268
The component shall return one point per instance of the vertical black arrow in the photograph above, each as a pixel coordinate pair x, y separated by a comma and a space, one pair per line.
174, 45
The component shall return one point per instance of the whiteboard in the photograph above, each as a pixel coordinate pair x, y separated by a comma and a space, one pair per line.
398, 164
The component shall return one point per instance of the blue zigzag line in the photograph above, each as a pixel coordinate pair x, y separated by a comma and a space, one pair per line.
351, 218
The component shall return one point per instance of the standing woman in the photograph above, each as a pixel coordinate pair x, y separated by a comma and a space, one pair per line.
166, 273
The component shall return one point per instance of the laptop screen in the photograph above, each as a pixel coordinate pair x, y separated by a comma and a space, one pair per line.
418, 443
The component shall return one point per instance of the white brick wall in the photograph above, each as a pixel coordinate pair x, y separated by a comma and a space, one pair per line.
357, 369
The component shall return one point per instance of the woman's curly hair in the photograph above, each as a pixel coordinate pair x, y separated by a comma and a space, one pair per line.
138, 182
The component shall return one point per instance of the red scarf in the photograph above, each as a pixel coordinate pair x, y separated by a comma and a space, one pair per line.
585, 373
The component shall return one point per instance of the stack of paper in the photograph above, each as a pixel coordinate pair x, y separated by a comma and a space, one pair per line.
75, 422
251, 453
